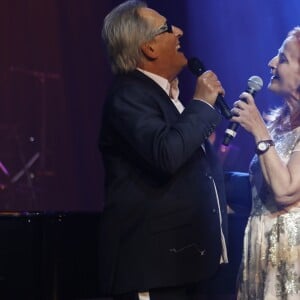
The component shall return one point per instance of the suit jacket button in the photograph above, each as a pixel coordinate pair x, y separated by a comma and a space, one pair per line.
214, 210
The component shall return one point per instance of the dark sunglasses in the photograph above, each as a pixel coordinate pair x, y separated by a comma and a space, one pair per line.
165, 28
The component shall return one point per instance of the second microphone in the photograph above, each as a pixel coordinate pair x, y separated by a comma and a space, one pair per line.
255, 83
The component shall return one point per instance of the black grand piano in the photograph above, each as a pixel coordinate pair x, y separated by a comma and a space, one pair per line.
48, 256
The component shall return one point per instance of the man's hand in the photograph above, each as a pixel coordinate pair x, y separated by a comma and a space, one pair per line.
208, 87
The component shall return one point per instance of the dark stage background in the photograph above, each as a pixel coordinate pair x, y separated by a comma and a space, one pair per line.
54, 75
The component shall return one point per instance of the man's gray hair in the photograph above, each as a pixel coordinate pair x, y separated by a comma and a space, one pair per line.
123, 32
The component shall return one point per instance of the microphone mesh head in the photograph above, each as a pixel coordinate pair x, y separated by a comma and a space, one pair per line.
196, 66
255, 83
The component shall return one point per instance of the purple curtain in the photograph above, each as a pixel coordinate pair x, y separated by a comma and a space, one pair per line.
54, 75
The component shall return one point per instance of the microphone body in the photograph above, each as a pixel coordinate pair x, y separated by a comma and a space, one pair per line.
197, 68
255, 84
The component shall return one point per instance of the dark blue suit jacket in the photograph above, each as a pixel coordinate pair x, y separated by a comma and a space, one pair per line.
160, 225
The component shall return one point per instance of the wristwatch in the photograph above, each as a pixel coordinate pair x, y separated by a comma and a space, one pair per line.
263, 146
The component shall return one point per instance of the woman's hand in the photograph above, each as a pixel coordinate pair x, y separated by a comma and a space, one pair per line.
246, 113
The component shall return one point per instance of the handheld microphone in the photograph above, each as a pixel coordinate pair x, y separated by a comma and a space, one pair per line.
197, 68
255, 83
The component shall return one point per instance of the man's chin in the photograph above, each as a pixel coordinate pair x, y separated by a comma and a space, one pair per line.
184, 60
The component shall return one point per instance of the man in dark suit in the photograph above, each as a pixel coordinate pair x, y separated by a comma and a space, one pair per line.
163, 228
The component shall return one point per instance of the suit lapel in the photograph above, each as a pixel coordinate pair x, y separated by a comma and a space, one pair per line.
152, 85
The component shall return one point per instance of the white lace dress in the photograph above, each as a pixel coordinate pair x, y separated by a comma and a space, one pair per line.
271, 260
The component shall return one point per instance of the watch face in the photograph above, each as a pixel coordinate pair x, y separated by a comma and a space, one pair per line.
262, 146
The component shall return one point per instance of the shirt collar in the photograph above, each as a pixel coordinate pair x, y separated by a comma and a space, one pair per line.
161, 81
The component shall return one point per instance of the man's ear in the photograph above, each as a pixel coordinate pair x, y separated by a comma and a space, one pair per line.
149, 50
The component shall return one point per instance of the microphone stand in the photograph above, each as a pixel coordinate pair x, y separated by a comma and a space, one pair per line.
42, 77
